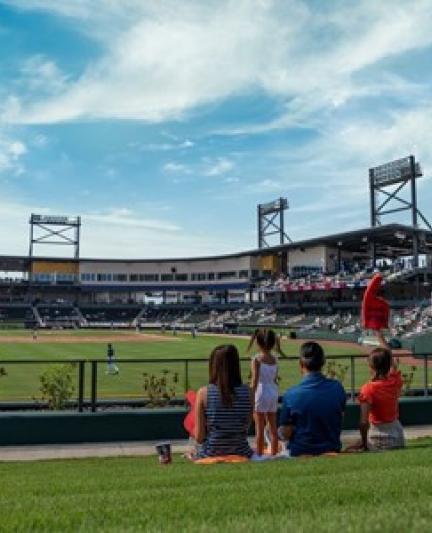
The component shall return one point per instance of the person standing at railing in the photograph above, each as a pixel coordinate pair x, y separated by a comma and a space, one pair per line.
264, 369
380, 428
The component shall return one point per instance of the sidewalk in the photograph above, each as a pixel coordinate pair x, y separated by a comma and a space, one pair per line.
130, 449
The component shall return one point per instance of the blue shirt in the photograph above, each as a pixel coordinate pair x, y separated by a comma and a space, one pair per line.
315, 408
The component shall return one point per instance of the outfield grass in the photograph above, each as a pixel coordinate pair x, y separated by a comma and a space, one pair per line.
388, 492
22, 381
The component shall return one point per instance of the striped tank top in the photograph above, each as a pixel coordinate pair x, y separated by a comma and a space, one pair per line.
227, 427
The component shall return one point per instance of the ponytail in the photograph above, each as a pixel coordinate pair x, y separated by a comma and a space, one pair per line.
252, 340
266, 339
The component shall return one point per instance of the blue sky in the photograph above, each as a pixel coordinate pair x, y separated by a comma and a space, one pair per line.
164, 122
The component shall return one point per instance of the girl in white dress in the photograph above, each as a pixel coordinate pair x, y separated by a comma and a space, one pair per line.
265, 387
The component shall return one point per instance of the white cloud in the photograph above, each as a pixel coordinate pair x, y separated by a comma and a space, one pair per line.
170, 57
220, 165
115, 232
41, 74
118, 217
163, 147
172, 167
266, 186
11, 153
40, 141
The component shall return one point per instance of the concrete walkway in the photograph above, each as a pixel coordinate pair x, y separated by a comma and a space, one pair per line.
131, 449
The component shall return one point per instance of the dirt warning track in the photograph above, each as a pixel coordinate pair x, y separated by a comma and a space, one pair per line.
58, 338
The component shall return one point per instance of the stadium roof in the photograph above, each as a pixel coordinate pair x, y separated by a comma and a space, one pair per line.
391, 240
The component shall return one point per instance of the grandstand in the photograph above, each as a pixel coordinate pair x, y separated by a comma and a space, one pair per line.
322, 277
304, 285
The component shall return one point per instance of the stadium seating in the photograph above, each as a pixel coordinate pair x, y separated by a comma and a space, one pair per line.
16, 315
59, 315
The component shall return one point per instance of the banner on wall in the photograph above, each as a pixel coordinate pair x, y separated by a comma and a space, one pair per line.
318, 286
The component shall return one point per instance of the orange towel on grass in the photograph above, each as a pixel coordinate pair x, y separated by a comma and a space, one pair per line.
222, 459
232, 459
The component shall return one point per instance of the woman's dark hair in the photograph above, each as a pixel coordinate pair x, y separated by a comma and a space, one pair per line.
266, 339
224, 371
312, 356
380, 361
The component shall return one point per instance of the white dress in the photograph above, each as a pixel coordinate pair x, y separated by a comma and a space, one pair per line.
267, 393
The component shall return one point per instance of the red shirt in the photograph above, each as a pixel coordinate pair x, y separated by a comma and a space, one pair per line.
383, 397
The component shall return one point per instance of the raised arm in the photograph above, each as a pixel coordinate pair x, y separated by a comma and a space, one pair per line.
381, 339
384, 344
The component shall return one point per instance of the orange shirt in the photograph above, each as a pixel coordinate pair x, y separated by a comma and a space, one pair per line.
383, 397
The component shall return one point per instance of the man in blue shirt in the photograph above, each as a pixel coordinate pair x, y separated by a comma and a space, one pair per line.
312, 411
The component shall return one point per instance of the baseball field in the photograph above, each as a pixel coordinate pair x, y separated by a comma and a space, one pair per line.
154, 353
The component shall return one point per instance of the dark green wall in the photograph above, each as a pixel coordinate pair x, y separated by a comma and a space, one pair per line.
141, 425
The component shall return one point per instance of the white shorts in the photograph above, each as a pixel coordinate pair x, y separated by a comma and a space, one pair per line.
266, 399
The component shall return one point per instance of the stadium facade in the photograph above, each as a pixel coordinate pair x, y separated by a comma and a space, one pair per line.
323, 274
240, 277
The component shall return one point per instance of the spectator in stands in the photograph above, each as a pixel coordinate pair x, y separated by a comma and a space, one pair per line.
312, 411
380, 428
223, 407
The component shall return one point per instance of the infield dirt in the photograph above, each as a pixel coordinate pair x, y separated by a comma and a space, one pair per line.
97, 339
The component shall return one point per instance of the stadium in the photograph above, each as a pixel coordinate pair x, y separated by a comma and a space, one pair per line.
164, 316
309, 289
215, 266
304, 285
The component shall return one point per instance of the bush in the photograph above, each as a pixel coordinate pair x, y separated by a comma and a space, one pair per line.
336, 370
160, 389
408, 378
57, 386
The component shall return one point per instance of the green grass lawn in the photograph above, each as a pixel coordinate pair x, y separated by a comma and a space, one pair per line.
22, 381
387, 492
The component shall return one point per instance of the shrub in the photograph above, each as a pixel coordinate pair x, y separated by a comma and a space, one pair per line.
160, 389
2, 372
408, 378
336, 370
57, 386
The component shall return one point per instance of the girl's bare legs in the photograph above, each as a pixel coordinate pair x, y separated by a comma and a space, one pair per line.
272, 422
259, 432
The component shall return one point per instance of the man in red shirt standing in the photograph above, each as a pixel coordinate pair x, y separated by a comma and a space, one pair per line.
380, 428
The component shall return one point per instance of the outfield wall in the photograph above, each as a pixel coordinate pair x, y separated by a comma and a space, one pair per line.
146, 424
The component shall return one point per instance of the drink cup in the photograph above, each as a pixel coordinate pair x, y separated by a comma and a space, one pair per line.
164, 451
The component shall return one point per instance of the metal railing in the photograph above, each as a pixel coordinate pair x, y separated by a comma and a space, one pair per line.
354, 376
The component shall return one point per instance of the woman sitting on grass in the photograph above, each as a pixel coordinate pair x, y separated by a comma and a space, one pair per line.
380, 428
223, 408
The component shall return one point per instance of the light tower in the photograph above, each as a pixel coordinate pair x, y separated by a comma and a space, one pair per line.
271, 222
387, 183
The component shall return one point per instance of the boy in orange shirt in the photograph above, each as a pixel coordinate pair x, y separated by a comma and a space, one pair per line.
380, 428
